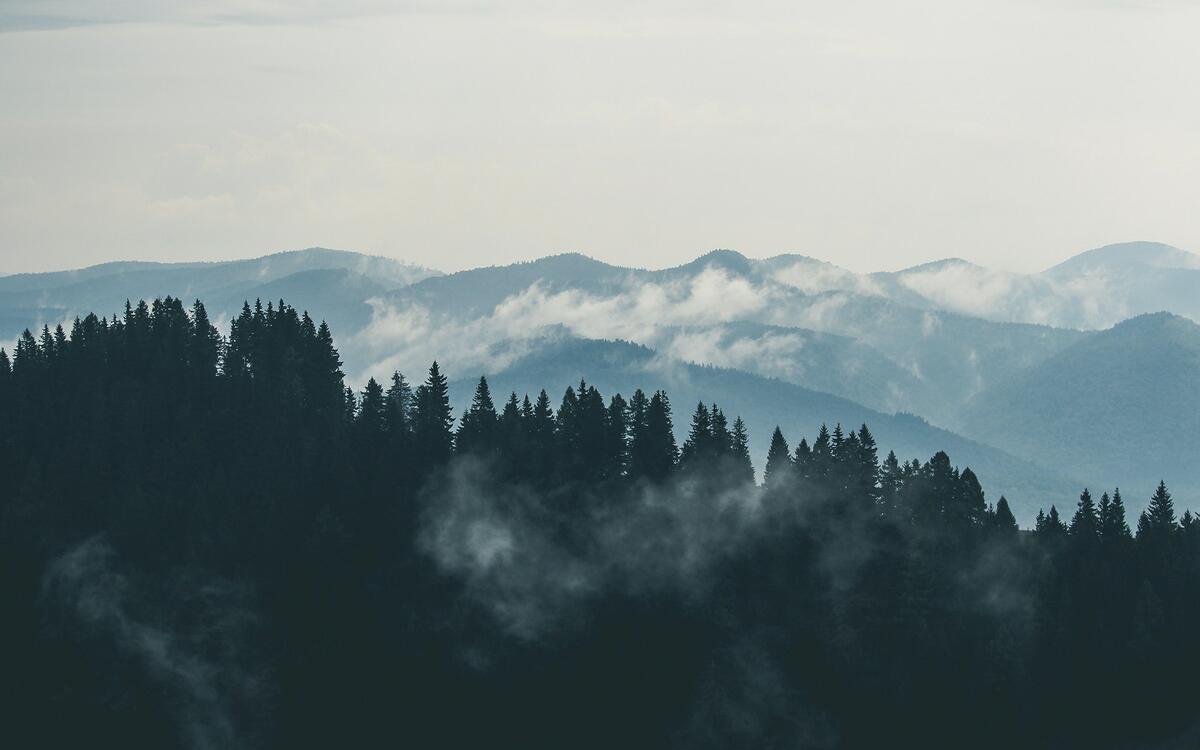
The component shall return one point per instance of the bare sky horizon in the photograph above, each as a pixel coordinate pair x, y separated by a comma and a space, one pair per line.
1011, 133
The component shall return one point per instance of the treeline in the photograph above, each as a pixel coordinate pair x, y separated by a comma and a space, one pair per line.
212, 541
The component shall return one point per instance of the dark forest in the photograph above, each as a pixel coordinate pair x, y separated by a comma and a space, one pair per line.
210, 541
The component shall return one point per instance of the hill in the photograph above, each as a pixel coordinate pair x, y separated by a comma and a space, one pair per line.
614, 366
1121, 405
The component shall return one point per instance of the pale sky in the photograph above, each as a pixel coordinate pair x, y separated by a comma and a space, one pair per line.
871, 133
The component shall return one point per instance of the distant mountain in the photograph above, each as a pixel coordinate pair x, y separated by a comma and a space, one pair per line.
31, 300
860, 344
949, 340
1121, 405
764, 403
1092, 290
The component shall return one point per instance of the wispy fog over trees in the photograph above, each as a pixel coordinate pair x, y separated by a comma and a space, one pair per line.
211, 541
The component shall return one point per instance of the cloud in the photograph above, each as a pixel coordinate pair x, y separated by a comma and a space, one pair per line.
201, 662
496, 538
407, 335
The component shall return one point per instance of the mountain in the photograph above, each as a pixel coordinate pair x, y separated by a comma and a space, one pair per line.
1121, 405
944, 340
761, 316
36, 299
1093, 290
764, 403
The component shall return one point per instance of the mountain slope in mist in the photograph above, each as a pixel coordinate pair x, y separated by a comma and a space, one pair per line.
33, 300
905, 357
1121, 404
763, 403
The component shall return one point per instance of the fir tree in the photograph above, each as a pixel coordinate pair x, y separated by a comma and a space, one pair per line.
1003, 520
779, 462
1085, 524
477, 430
740, 450
432, 421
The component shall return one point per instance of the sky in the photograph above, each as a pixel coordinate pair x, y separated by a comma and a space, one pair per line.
870, 133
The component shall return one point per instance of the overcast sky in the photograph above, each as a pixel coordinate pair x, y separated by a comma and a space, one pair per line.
872, 133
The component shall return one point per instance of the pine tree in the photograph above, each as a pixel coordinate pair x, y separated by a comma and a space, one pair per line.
541, 430
891, 481
779, 463
866, 469
1085, 524
1161, 511
617, 438
969, 505
1003, 520
1113, 526
722, 439
740, 450
372, 415
653, 451
399, 407
698, 445
477, 430
802, 460
821, 462
592, 443
205, 349
432, 420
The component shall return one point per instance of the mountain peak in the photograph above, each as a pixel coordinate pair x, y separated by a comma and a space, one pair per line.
730, 260
1127, 255
937, 265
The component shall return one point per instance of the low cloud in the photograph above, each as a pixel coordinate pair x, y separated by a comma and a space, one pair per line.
202, 662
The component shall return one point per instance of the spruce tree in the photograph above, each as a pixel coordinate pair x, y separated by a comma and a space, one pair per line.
432, 421
722, 439
740, 450
1003, 520
1161, 512
1085, 524
1113, 526
698, 445
479, 424
779, 462
616, 454
399, 408
652, 451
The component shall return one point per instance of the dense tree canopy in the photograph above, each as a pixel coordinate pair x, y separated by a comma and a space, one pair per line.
210, 541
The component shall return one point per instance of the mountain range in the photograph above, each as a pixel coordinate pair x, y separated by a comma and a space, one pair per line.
1041, 382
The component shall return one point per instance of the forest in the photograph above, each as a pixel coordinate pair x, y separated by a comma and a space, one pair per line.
208, 540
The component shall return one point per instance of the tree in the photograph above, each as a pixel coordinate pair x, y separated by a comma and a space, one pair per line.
740, 449
1003, 520
698, 447
398, 406
653, 451
779, 463
372, 414
541, 431
617, 438
1111, 517
1159, 517
477, 430
1085, 524
432, 421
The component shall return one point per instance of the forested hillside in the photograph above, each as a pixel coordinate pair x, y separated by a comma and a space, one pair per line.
208, 540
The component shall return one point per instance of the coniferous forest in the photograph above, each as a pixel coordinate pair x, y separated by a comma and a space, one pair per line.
210, 541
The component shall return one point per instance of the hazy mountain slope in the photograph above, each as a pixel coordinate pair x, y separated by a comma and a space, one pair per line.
30, 300
1122, 405
1092, 290
945, 358
839, 365
477, 291
763, 402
